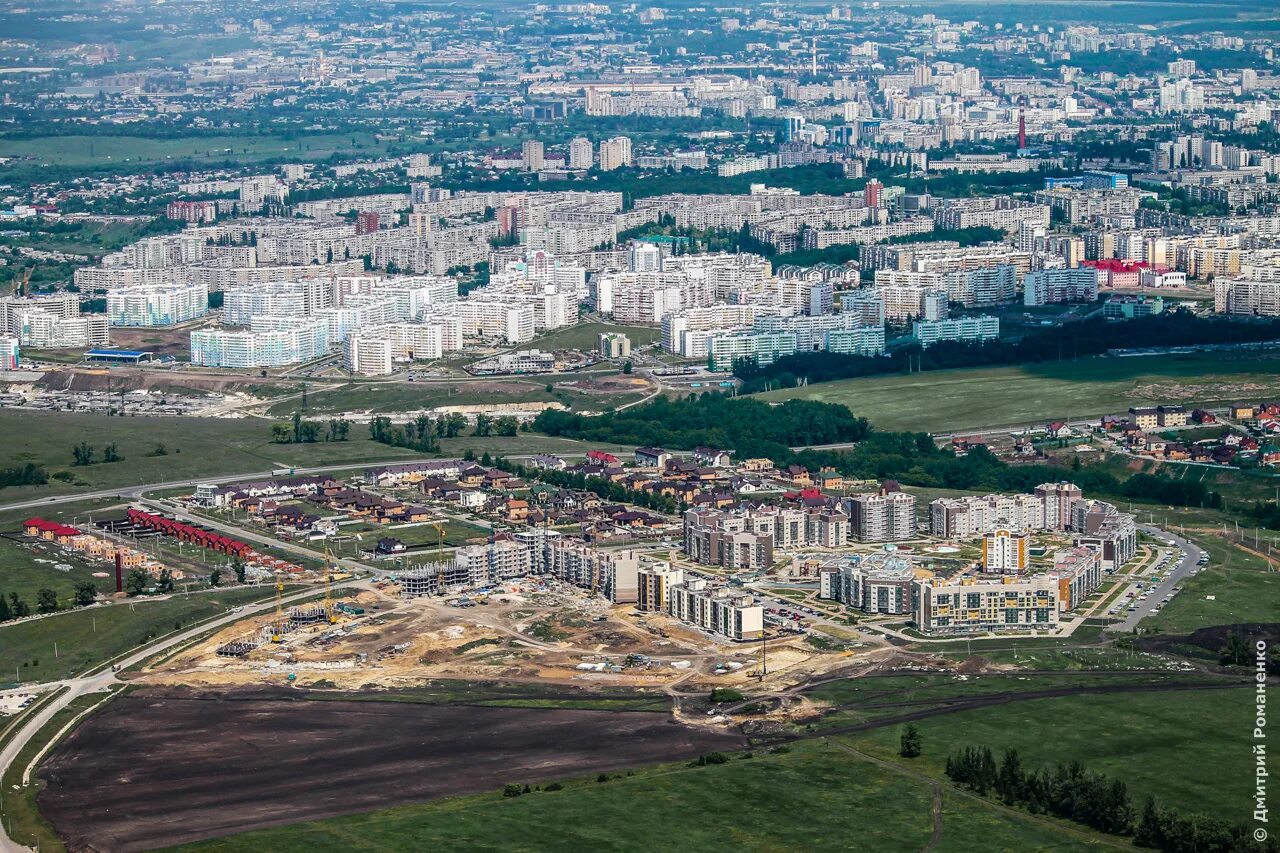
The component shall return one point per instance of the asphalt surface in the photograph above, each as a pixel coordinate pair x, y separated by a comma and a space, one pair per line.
1177, 575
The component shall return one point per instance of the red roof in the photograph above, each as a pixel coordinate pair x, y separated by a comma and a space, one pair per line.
1116, 265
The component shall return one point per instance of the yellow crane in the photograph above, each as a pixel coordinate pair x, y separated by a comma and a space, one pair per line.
439, 528
330, 614
277, 628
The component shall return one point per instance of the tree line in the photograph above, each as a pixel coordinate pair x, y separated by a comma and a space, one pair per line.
302, 431
1068, 790
753, 428
85, 453
1086, 337
14, 606
606, 490
23, 475
423, 433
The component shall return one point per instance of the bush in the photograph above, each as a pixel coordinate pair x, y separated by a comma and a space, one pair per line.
554, 786
512, 790
726, 694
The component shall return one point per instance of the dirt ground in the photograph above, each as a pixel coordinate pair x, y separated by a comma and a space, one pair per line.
123, 780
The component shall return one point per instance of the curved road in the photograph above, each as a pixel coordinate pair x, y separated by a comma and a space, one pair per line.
98, 682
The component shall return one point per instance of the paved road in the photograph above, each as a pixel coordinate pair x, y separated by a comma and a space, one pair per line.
1176, 576
101, 681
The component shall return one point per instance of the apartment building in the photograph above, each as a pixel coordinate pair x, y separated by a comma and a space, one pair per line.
972, 329
972, 605
654, 584
612, 574
978, 515
1001, 212
887, 517
269, 342
47, 330
875, 583
512, 324
10, 354
733, 540
1242, 296
717, 610
157, 305
1078, 572
762, 347
375, 350
61, 305
1005, 550
1043, 287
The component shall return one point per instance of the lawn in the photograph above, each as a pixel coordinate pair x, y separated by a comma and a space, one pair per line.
814, 797
398, 397
1148, 740
586, 336
1243, 590
90, 636
102, 151
950, 400
196, 447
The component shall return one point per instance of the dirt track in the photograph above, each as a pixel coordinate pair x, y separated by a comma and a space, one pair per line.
156, 768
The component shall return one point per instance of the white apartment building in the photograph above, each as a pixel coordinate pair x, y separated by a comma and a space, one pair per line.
269, 342
375, 350
581, 153
279, 299
60, 305
157, 305
887, 517
612, 574
47, 330
1242, 296
974, 329
654, 584
512, 324
717, 610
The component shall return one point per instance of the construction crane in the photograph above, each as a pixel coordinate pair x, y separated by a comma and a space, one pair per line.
277, 628
330, 614
439, 528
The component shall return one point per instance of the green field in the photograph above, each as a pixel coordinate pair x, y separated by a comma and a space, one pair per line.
197, 447
1149, 740
91, 151
395, 397
90, 636
950, 400
1242, 586
815, 797
586, 336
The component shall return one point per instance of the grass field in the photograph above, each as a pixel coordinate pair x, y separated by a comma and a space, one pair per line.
949, 400
395, 397
1243, 590
586, 336
814, 797
91, 151
1148, 740
197, 447
90, 636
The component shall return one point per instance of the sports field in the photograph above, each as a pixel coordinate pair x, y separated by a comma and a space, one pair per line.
971, 398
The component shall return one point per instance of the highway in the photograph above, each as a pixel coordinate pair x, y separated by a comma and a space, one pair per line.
98, 682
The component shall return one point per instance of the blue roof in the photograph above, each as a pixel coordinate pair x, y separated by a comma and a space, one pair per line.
121, 353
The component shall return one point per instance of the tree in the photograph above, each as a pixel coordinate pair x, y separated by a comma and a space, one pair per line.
909, 746
164, 583
17, 607
5, 613
485, 459
82, 453
86, 594
215, 577
484, 425
111, 453
310, 431
506, 426
237, 566
297, 427
135, 583
280, 434
1237, 651
1150, 830
626, 367
47, 601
